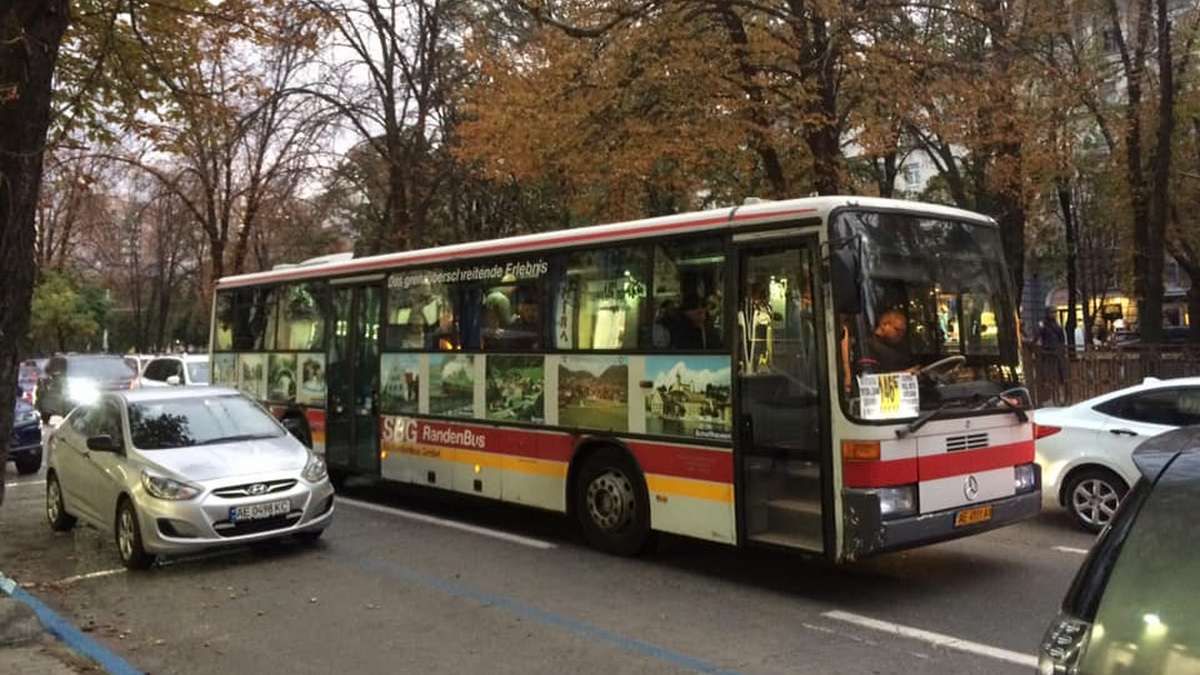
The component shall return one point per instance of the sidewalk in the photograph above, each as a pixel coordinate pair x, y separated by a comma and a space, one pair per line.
26, 647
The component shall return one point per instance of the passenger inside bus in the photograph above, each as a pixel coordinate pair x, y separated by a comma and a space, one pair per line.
690, 328
526, 329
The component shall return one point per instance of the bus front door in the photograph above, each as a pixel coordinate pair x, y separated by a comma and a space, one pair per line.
352, 374
780, 428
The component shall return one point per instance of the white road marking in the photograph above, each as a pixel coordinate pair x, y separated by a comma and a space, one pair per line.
1068, 549
421, 517
91, 575
936, 639
25, 482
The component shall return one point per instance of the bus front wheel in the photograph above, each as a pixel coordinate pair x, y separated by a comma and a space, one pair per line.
612, 503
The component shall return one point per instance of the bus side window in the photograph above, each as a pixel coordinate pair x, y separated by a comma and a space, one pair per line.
225, 320
600, 298
687, 299
512, 318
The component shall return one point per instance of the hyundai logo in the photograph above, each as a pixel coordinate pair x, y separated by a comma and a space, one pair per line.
971, 488
261, 489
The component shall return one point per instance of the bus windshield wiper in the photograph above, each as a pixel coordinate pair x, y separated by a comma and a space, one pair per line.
1003, 397
922, 420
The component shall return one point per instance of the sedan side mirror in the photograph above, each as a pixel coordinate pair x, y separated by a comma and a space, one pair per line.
102, 443
173, 380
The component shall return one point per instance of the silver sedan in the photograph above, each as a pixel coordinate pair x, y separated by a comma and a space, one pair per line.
177, 470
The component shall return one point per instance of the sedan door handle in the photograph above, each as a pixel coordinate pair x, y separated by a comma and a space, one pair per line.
1123, 432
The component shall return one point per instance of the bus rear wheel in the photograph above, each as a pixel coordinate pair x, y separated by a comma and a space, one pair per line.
612, 504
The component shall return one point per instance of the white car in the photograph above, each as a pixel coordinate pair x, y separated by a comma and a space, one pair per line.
1085, 450
180, 369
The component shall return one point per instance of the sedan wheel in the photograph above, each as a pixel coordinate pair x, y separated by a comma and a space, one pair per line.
129, 538
1094, 497
60, 520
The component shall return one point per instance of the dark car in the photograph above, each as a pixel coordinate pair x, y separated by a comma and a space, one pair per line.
25, 443
79, 378
1134, 606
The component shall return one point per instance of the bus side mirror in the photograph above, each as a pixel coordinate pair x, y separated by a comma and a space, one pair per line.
844, 275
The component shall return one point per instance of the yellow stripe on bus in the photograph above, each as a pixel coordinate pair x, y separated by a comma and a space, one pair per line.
492, 460
687, 487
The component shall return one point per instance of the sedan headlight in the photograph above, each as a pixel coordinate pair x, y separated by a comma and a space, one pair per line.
82, 391
314, 470
166, 488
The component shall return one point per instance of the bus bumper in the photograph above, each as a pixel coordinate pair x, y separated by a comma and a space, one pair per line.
867, 534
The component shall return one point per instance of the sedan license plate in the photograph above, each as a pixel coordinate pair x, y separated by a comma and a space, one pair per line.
259, 511
979, 514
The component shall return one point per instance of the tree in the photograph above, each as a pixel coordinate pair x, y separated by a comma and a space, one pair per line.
1139, 127
30, 34
63, 316
393, 92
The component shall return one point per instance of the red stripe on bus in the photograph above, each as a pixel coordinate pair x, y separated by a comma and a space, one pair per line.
879, 474
497, 440
684, 461
437, 256
975, 461
910, 470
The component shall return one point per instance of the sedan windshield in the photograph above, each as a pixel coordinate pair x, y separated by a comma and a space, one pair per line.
185, 422
931, 290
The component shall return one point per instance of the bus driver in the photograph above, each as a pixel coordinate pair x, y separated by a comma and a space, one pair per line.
887, 348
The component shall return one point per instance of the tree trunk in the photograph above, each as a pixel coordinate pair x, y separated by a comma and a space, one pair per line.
30, 33
1155, 227
1064, 202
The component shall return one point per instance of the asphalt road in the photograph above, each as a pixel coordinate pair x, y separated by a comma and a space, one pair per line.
517, 591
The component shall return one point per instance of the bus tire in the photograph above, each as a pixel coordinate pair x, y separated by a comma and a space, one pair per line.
612, 503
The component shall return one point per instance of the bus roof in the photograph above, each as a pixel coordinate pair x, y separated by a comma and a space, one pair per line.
697, 221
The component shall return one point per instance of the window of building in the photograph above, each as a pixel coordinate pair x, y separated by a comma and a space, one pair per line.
426, 312
302, 312
912, 173
687, 305
512, 316
600, 299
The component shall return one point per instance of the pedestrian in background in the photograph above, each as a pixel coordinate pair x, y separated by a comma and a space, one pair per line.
1053, 342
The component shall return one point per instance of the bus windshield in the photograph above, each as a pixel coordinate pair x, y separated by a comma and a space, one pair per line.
932, 290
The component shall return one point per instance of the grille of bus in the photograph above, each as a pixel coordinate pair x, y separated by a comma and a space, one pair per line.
967, 442
236, 491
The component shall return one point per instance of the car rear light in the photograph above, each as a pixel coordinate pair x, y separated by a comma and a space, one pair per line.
1044, 430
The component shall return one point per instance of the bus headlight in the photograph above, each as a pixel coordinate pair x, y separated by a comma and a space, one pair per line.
897, 501
1025, 478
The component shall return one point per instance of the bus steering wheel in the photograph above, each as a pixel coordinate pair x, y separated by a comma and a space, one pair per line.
942, 367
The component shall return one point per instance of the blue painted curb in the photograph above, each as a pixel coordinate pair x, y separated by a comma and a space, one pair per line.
65, 631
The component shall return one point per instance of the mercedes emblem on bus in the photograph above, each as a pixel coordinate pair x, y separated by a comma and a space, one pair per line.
971, 488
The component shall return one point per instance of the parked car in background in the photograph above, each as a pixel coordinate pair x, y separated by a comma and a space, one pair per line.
182, 369
1133, 606
1086, 449
25, 442
173, 470
138, 361
73, 379
28, 375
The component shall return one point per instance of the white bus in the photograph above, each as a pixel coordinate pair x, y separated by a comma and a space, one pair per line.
836, 375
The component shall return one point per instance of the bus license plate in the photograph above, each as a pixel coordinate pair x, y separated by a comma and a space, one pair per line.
259, 511
979, 514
